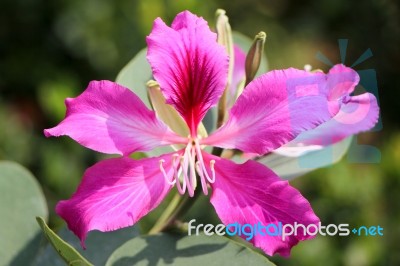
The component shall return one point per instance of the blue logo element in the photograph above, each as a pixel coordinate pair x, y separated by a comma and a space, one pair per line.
357, 153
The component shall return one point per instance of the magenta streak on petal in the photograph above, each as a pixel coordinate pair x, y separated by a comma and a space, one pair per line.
250, 193
115, 193
109, 118
189, 64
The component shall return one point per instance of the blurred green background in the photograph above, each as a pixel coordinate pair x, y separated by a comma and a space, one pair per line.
50, 50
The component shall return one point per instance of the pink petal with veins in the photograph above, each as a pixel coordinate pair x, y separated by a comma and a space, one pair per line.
109, 118
115, 193
250, 193
189, 64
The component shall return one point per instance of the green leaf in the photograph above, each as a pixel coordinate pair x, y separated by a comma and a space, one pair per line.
168, 249
21, 200
135, 75
65, 250
99, 246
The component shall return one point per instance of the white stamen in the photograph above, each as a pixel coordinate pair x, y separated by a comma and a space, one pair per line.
182, 189
203, 167
202, 178
175, 165
185, 167
185, 164
192, 162
212, 163
165, 174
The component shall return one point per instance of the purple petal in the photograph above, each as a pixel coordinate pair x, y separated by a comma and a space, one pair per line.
279, 105
358, 113
189, 65
115, 193
109, 118
250, 193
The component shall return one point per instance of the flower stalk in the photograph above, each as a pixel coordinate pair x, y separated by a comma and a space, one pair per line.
176, 209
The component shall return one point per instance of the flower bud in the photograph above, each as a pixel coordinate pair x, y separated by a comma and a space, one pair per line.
254, 56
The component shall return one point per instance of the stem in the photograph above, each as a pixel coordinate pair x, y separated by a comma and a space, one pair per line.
157, 227
177, 208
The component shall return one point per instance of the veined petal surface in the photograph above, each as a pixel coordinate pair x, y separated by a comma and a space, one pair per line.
250, 193
109, 118
115, 193
189, 64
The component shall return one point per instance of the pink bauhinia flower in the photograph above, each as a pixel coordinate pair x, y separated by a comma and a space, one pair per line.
191, 69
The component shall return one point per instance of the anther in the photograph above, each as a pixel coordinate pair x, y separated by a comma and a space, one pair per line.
212, 163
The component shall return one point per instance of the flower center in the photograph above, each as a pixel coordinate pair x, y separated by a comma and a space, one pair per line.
186, 166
